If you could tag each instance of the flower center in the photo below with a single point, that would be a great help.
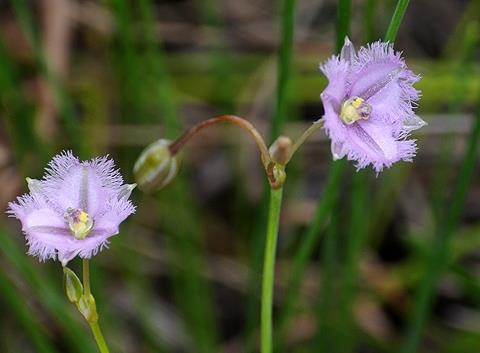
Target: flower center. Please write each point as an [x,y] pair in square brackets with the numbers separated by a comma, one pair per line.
[354,109]
[79,222]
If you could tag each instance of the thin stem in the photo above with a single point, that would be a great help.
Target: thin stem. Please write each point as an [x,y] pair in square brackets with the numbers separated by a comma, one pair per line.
[86,277]
[269,269]
[94,326]
[309,241]
[178,144]
[307,133]
[269,166]
[97,334]
[396,20]
[281,104]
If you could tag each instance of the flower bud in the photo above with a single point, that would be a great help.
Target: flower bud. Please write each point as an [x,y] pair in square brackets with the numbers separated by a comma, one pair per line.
[280,150]
[87,307]
[279,175]
[73,286]
[155,167]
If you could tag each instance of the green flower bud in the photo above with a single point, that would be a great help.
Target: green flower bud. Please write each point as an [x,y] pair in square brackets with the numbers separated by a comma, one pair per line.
[155,167]
[73,286]
[87,307]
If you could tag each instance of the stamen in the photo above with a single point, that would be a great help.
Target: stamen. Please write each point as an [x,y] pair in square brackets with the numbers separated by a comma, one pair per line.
[354,109]
[79,222]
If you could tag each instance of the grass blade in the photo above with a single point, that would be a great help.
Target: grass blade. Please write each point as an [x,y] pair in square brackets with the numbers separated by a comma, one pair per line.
[396,20]
[284,67]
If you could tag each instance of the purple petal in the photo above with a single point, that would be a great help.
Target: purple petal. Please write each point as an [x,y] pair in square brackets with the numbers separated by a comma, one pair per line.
[380,76]
[109,176]
[372,79]
[85,248]
[378,66]
[44,217]
[94,186]
[87,186]
[118,211]
[332,124]
[336,71]
[79,189]
[375,144]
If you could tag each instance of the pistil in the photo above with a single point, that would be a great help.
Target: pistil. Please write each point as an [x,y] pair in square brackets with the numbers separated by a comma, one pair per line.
[79,222]
[354,109]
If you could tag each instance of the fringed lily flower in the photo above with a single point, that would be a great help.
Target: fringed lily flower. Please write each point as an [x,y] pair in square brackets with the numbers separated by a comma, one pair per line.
[369,105]
[74,209]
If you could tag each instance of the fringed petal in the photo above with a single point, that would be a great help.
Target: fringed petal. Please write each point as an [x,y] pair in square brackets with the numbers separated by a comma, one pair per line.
[370,143]
[379,76]
[336,70]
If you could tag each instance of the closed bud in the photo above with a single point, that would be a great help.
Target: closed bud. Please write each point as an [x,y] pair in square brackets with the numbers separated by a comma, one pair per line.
[87,307]
[155,167]
[280,150]
[73,286]
[279,175]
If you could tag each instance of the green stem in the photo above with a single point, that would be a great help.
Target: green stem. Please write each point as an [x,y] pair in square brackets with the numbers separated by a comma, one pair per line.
[308,244]
[86,277]
[396,20]
[94,326]
[269,269]
[439,256]
[301,140]
[97,333]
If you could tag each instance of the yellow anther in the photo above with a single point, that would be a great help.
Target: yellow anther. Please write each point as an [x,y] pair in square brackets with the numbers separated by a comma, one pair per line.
[83,217]
[79,222]
[354,109]
[357,102]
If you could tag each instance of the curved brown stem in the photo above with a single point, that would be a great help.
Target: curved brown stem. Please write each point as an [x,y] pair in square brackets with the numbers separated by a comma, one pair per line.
[178,144]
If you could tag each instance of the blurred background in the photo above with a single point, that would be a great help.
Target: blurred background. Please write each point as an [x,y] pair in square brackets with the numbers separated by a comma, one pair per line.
[390,263]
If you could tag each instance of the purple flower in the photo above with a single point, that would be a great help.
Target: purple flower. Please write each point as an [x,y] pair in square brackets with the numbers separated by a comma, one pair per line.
[74,209]
[369,105]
